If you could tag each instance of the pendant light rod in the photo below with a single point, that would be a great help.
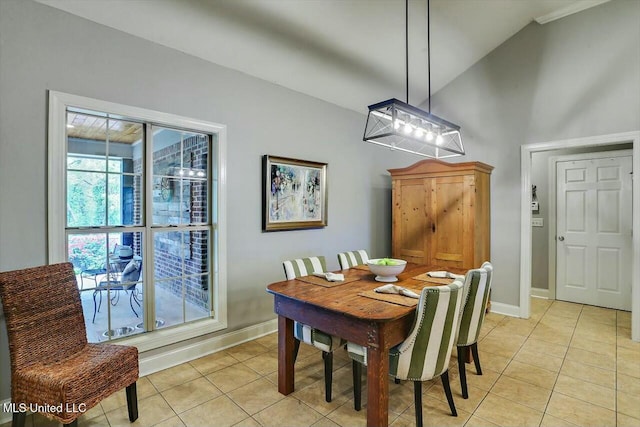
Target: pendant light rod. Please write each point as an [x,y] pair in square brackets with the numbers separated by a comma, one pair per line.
[406,44]
[428,53]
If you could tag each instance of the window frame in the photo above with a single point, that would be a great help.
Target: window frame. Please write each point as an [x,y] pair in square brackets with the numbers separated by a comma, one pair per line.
[56,203]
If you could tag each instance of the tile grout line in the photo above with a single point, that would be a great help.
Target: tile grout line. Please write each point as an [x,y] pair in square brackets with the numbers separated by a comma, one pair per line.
[564,358]
[512,359]
[497,379]
[264,376]
[582,379]
[488,391]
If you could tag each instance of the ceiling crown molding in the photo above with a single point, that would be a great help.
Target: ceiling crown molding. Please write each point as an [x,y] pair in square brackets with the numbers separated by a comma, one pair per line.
[569,10]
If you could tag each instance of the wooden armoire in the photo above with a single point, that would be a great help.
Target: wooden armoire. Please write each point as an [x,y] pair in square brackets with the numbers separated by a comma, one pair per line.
[441,213]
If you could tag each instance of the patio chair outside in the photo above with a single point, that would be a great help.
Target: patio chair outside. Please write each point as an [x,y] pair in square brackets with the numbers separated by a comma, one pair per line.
[126,283]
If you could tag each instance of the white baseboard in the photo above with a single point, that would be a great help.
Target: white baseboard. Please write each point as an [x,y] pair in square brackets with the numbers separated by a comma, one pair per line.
[540,293]
[505,309]
[167,359]
[184,353]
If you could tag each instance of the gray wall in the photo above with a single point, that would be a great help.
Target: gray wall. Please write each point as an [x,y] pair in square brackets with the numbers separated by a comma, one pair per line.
[575,77]
[540,242]
[578,76]
[43,48]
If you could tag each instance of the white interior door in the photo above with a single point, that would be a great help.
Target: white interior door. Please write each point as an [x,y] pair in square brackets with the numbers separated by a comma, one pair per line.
[593,243]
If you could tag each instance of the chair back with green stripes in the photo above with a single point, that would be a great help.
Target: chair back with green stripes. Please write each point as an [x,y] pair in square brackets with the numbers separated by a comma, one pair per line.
[487,266]
[304,266]
[479,283]
[353,258]
[425,354]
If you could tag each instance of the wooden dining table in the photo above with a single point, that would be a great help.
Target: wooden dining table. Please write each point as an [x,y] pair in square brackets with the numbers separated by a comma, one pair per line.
[350,310]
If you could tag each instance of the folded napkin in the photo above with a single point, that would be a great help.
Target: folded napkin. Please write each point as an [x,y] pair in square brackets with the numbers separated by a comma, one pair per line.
[445,274]
[395,289]
[331,277]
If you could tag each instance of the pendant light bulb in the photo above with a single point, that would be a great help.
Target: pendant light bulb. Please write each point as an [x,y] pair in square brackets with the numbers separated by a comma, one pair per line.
[429,136]
[408,128]
[439,139]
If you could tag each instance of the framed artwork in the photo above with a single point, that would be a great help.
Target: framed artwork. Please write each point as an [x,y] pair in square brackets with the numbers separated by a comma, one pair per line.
[294,194]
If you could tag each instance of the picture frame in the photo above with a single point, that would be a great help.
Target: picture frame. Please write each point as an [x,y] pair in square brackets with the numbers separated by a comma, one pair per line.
[294,194]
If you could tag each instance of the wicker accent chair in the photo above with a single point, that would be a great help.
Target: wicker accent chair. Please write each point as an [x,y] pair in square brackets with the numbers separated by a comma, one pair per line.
[426,352]
[305,333]
[52,365]
[353,258]
[479,283]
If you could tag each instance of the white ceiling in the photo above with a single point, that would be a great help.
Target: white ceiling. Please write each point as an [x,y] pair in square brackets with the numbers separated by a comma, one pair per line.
[347,52]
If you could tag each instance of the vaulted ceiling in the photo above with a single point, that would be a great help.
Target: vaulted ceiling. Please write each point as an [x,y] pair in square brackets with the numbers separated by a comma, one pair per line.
[347,52]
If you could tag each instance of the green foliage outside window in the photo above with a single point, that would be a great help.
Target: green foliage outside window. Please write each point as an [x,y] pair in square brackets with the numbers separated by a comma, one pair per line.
[87,200]
[89,206]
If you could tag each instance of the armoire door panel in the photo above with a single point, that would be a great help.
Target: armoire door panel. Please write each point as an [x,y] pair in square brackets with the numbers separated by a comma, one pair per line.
[469,215]
[413,220]
[447,204]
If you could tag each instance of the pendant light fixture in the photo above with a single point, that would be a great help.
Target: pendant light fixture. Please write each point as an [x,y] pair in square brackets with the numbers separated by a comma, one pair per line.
[401,126]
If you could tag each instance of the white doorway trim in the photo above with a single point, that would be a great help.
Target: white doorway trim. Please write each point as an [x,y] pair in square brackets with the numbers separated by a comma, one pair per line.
[525,219]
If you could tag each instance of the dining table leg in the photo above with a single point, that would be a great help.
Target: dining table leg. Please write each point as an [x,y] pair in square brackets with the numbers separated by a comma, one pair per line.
[377,386]
[285,355]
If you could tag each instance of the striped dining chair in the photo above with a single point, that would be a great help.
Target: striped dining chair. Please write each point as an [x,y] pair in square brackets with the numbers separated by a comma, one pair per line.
[304,333]
[479,284]
[353,258]
[426,352]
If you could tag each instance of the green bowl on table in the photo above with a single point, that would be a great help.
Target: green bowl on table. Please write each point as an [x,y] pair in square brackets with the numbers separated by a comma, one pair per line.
[386,269]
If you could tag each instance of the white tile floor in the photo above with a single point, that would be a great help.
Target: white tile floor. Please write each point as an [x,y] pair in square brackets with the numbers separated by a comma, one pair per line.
[568,365]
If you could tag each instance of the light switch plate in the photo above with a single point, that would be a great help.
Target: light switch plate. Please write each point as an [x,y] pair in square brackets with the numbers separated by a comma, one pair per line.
[537,222]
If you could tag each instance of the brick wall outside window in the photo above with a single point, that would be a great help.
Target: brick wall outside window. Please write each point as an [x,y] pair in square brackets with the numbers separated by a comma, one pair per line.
[191,208]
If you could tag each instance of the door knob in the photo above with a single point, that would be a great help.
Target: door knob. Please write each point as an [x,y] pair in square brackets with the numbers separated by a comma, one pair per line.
[561,238]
